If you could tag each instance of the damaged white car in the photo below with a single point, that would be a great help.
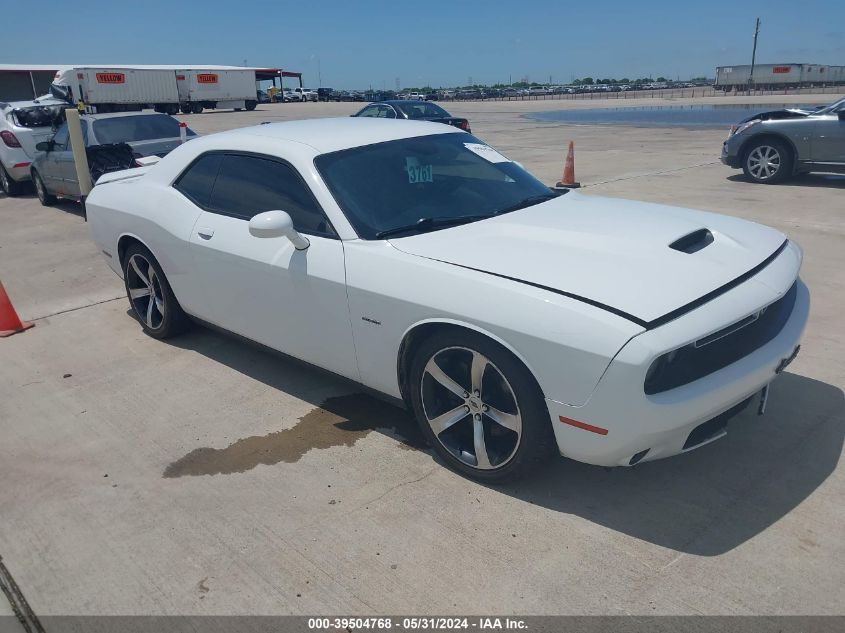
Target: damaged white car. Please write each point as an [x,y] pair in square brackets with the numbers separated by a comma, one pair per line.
[514,320]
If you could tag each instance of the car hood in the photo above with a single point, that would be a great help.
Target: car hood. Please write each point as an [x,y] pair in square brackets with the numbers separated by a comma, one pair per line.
[774,115]
[608,252]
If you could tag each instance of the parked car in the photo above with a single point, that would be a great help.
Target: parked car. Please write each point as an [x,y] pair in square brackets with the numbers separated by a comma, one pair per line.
[23,124]
[772,146]
[512,319]
[304,94]
[416,110]
[145,133]
[262,96]
[326,94]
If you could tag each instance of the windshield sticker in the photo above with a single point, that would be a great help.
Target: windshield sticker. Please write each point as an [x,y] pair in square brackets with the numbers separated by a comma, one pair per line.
[486,152]
[418,173]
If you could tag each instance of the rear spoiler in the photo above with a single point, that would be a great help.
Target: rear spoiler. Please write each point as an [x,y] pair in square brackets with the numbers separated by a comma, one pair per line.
[124,174]
[147,161]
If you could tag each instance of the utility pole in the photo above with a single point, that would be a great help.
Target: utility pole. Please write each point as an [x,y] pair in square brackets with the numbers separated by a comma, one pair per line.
[753,56]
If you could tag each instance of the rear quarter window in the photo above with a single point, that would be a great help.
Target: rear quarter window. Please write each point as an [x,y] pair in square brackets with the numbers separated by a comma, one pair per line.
[198,180]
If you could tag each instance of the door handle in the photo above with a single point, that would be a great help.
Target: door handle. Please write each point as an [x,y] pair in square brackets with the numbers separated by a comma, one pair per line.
[205,233]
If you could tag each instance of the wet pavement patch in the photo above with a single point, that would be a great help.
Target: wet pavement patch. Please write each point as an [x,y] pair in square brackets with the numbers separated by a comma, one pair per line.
[339,421]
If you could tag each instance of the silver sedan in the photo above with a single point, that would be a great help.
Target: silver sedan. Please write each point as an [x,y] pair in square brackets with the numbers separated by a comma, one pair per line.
[772,146]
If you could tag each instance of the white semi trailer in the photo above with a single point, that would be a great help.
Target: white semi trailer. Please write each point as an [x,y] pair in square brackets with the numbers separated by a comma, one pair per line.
[212,89]
[117,89]
[167,89]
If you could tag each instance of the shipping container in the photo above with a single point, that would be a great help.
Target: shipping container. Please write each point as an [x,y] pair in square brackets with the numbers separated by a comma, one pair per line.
[212,88]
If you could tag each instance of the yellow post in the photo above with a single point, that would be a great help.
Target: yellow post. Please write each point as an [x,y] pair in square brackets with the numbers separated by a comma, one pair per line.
[77,145]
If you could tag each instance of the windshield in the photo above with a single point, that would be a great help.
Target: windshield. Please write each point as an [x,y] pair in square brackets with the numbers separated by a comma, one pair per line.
[60,92]
[144,127]
[423,110]
[37,116]
[395,184]
[833,107]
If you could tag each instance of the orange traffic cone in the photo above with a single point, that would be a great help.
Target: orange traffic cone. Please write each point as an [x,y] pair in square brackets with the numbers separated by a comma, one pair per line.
[10,323]
[568,180]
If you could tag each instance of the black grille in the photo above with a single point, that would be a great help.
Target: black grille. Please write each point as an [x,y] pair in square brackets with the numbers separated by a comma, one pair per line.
[710,429]
[712,353]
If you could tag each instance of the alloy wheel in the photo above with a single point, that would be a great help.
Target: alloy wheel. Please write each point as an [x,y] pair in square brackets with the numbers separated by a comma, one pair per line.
[764,162]
[471,408]
[145,292]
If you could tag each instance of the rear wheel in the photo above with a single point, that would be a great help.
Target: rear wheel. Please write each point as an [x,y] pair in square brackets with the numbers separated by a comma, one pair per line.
[153,303]
[479,407]
[196,108]
[9,185]
[44,196]
[767,161]
[250,105]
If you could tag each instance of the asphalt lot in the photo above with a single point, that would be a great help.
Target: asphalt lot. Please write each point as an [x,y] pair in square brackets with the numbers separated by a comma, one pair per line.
[206,476]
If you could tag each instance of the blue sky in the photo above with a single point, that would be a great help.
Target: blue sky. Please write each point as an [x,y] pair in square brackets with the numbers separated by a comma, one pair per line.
[361,43]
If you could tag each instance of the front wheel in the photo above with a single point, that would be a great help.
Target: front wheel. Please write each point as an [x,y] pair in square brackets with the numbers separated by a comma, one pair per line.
[152,300]
[479,407]
[767,161]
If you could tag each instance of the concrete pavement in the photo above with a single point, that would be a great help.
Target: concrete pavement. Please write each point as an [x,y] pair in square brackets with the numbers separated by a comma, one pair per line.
[206,476]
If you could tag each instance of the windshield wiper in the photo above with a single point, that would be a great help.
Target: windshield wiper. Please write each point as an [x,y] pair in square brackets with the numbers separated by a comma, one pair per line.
[424,224]
[530,201]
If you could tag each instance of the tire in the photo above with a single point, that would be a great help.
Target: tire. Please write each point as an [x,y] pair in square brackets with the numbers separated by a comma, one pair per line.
[151,299]
[250,105]
[196,108]
[185,108]
[506,404]
[44,196]
[767,161]
[9,185]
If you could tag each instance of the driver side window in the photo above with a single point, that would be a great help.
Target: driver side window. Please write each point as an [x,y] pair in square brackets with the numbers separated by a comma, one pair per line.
[60,138]
[370,111]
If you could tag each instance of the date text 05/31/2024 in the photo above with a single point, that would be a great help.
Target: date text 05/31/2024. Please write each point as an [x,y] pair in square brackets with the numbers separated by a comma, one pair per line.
[417,623]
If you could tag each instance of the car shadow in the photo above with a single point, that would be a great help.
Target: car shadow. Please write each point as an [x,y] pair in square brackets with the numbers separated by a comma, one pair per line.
[68,206]
[706,502]
[834,181]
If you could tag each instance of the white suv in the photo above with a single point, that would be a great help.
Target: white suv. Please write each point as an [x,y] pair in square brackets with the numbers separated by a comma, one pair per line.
[305,94]
[23,124]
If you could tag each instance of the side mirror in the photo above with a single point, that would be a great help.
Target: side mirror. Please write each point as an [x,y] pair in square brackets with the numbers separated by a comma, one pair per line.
[277,224]
[44,146]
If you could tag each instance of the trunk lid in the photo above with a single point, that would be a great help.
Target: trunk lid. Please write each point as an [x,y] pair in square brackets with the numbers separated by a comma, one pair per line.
[611,252]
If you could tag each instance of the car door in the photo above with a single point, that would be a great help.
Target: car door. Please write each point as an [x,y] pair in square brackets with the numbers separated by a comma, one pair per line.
[51,167]
[263,288]
[66,166]
[828,143]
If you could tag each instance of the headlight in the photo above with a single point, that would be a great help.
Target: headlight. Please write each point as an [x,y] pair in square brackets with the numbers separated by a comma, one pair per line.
[746,125]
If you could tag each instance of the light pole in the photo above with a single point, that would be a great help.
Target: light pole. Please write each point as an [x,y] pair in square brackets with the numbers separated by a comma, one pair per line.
[753,56]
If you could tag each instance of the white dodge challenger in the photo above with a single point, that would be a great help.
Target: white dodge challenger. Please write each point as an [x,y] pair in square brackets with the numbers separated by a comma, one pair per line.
[415,259]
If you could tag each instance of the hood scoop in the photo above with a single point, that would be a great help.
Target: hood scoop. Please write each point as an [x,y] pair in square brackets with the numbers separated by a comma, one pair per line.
[693,242]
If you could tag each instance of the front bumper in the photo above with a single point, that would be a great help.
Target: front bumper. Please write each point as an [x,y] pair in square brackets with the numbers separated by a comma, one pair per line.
[730,153]
[625,421]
